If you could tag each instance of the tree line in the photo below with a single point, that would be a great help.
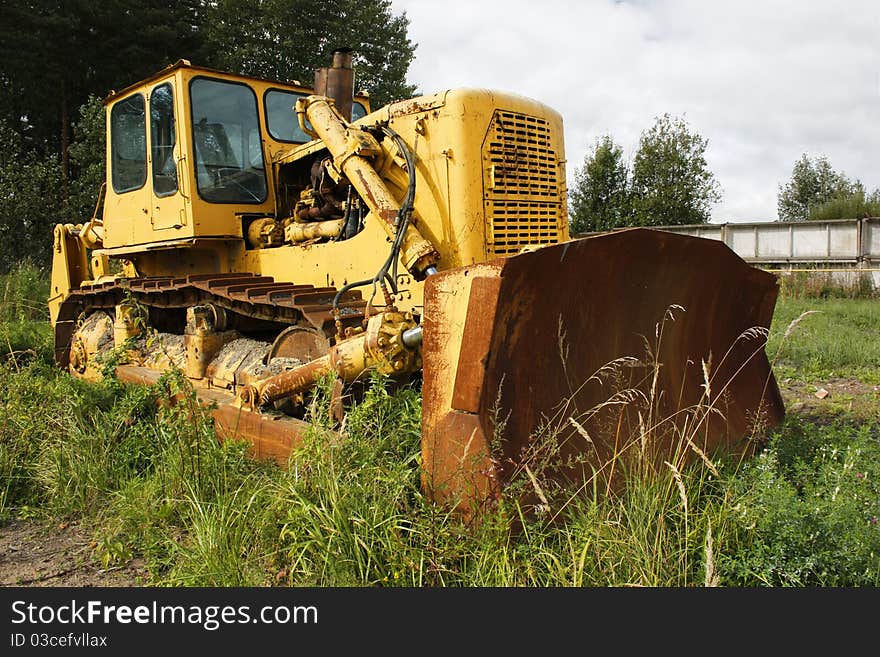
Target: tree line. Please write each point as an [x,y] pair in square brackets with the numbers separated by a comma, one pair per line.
[816,191]
[58,59]
[669,183]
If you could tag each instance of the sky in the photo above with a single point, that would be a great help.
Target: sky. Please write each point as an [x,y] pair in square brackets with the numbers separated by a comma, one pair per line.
[762,81]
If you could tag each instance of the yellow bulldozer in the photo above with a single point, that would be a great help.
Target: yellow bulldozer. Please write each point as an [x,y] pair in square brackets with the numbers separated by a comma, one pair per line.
[262,237]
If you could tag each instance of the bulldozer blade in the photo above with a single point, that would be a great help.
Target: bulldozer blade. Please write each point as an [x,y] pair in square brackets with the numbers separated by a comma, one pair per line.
[551,366]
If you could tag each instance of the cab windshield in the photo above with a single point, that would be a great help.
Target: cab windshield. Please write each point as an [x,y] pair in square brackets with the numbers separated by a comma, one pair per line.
[228,149]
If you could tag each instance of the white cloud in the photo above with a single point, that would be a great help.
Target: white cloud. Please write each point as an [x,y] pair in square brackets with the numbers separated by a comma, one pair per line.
[763,81]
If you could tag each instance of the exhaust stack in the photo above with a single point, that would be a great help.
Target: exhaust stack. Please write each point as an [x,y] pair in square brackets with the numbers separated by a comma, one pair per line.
[337,82]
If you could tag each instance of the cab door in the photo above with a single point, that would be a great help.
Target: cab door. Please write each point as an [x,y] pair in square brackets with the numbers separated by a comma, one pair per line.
[167,206]
[128,196]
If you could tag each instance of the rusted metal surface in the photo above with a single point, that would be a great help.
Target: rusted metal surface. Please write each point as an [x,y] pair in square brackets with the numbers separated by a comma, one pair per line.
[575,361]
[270,436]
[411,106]
[337,81]
[456,332]
[300,343]
[247,295]
[468,389]
[293,381]
[457,464]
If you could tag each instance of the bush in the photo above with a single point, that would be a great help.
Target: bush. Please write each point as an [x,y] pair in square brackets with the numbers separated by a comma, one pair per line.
[852,206]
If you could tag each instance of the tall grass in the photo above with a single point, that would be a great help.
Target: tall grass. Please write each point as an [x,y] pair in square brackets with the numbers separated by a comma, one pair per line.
[825,284]
[841,337]
[348,512]
[152,481]
[24,314]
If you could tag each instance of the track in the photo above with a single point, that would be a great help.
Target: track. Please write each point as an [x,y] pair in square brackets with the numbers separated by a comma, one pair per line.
[244,294]
[257,302]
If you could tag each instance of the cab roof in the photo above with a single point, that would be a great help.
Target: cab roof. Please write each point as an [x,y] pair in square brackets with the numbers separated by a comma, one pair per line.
[185,64]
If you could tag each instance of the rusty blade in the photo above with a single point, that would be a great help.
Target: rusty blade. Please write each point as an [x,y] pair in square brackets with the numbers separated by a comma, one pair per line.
[639,338]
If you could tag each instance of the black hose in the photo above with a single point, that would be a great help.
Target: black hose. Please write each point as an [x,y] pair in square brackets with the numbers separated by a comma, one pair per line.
[344,232]
[401,222]
[406,208]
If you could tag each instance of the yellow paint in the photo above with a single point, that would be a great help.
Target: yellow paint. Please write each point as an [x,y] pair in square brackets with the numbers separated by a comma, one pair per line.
[451,135]
[69,266]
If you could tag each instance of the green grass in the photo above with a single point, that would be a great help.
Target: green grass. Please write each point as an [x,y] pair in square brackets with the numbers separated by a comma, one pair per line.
[151,482]
[806,512]
[840,337]
[24,316]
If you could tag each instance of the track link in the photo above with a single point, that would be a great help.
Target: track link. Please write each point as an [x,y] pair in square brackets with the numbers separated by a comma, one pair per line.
[246,294]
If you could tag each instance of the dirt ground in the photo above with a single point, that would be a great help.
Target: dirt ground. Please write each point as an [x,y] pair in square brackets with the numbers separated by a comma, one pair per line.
[36,553]
[831,398]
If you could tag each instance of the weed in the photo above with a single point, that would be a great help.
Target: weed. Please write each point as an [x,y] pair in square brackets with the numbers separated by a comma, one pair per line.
[153,481]
[806,510]
[824,284]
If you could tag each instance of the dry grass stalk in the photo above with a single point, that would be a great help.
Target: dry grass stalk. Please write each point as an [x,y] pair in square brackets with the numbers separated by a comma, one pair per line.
[707,380]
[682,493]
[797,320]
[703,456]
[581,430]
[538,491]
[711,576]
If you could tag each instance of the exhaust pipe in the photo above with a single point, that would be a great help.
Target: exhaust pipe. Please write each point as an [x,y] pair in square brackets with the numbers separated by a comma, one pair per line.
[337,82]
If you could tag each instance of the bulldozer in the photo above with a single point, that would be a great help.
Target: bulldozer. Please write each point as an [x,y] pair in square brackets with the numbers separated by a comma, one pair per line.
[264,237]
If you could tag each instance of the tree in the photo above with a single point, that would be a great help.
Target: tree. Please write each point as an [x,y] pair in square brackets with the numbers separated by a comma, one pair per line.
[53,55]
[289,39]
[857,205]
[30,199]
[671,182]
[816,191]
[87,161]
[599,199]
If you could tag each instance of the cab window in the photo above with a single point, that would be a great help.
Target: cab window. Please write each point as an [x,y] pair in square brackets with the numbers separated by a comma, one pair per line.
[228,148]
[128,144]
[162,140]
[281,119]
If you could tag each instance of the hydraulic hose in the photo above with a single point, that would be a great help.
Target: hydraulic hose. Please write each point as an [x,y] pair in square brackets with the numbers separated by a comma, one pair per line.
[401,223]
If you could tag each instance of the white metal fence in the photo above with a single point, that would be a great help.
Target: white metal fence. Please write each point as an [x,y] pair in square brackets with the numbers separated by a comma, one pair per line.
[845,247]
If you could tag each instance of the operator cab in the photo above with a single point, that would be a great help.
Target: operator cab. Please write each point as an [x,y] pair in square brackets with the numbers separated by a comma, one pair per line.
[189,154]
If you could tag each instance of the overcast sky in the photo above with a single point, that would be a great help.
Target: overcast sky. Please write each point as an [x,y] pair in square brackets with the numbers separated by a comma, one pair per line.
[763,81]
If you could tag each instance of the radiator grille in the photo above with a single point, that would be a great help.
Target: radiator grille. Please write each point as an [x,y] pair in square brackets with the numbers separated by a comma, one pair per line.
[521,184]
